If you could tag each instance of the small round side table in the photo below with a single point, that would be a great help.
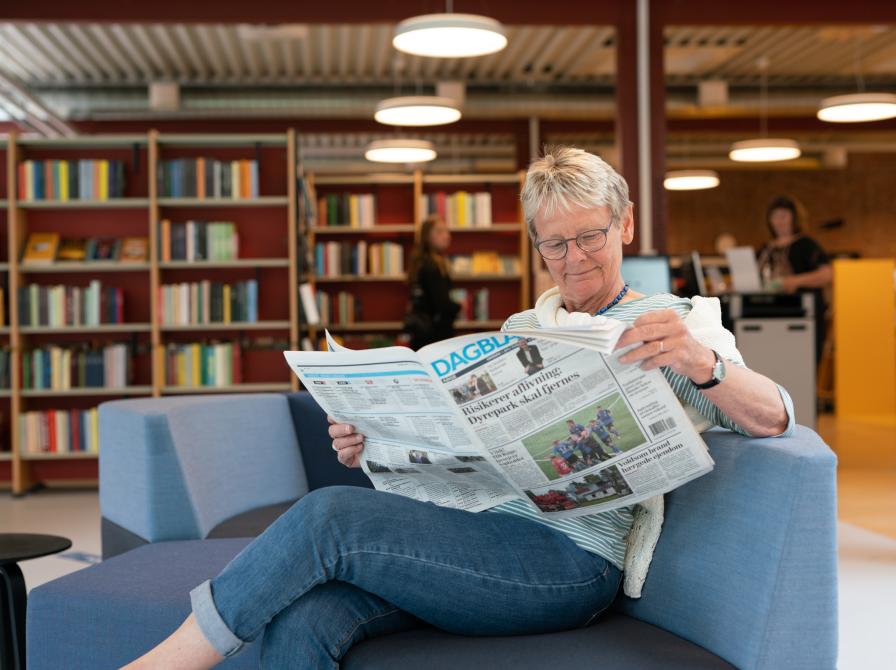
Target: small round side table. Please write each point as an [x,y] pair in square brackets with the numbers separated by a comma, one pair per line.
[15,547]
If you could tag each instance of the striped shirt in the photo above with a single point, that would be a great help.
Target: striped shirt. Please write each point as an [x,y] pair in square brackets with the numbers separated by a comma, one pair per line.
[605,533]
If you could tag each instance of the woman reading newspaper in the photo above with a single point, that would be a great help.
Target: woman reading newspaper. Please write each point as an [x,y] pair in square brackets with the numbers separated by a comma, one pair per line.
[345,564]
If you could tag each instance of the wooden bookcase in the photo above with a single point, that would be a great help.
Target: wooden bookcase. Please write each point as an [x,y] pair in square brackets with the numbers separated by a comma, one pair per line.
[398,216]
[268,253]
[267,230]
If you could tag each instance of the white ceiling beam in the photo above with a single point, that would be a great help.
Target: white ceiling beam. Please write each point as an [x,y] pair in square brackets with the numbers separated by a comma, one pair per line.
[227,38]
[288,51]
[130,48]
[362,53]
[344,38]
[159,62]
[87,45]
[41,40]
[324,46]
[75,52]
[183,34]
[207,35]
[113,52]
[306,68]
[167,44]
[382,52]
[580,39]
[23,46]
[250,57]
[12,60]
[272,67]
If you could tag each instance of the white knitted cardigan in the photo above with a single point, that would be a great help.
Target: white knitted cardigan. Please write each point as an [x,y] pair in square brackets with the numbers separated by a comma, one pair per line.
[704,322]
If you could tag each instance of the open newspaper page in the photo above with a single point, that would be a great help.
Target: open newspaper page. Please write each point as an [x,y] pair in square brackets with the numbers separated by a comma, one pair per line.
[416,442]
[574,430]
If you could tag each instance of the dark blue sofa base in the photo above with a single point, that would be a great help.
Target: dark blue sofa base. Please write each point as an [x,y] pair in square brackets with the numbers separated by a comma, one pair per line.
[106,615]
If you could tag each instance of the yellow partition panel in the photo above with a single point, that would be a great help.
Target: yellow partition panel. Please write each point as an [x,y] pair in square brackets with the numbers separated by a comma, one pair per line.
[865,338]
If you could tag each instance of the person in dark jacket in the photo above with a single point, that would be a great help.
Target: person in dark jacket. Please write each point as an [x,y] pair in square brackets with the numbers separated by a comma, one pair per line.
[432,312]
[792,261]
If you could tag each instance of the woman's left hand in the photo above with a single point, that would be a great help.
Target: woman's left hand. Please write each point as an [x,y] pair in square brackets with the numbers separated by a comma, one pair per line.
[667,342]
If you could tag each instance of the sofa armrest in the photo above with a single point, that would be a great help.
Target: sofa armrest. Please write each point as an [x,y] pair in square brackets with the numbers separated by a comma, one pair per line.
[746,565]
[174,468]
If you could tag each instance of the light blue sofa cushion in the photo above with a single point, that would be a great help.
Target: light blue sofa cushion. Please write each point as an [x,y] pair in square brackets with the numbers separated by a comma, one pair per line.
[174,468]
[236,453]
[746,563]
[142,488]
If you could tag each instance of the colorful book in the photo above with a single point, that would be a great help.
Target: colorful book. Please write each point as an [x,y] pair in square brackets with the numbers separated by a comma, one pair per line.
[133,250]
[41,248]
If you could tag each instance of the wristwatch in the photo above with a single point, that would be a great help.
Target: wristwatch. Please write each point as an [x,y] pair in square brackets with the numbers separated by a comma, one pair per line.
[718,373]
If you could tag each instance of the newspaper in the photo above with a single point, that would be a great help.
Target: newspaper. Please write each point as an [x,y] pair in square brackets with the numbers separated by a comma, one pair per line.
[549,415]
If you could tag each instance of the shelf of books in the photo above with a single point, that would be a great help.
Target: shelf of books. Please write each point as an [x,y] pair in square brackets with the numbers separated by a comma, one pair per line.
[489,244]
[78,284]
[224,283]
[362,234]
[138,265]
[358,240]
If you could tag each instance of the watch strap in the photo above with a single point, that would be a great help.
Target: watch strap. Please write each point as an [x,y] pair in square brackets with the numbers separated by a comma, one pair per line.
[714,380]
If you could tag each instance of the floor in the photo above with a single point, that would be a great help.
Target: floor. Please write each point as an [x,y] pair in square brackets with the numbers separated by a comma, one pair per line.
[867,537]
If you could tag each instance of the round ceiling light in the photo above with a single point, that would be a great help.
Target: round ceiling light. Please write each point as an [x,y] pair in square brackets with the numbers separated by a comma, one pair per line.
[449,35]
[764,150]
[400,151]
[418,110]
[690,180]
[858,107]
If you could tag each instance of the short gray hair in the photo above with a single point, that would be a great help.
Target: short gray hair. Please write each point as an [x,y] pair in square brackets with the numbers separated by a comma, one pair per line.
[567,176]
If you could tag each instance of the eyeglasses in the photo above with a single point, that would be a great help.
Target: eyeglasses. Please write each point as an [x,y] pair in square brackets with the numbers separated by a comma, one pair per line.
[588,241]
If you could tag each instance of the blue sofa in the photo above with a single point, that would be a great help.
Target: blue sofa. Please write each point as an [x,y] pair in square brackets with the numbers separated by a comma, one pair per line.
[744,574]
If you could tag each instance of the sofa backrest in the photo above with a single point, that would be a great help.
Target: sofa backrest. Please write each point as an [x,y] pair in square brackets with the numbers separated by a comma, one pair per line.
[222,454]
[321,466]
[746,565]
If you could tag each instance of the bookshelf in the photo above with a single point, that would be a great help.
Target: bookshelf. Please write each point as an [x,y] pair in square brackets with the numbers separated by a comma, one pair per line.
[495,231]
[266,222]
[398,214]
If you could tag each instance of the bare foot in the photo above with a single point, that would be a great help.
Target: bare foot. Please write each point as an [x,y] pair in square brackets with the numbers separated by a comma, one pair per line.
[185,649]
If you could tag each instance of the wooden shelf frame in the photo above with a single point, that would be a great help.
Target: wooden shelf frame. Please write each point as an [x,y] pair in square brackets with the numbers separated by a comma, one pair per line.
[153,144]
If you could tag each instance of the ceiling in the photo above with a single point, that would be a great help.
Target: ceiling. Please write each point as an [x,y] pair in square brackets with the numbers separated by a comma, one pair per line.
[58,73]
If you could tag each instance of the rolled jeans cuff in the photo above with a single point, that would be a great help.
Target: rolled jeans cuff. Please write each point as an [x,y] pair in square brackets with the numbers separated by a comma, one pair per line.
[210,622]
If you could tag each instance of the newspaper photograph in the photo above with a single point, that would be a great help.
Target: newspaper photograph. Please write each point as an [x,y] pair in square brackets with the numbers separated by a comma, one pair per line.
[549,416]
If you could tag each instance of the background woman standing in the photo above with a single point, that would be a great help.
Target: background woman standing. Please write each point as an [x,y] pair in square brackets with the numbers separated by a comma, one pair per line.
[791,261]
[432,312]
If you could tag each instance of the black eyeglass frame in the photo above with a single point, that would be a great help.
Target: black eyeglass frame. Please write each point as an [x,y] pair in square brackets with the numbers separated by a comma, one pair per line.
[576,239]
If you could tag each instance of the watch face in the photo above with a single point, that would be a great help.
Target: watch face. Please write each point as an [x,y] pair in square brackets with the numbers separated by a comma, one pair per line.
[718,370]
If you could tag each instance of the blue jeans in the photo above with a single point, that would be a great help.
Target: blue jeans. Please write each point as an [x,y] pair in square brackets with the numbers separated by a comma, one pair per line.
[347,563]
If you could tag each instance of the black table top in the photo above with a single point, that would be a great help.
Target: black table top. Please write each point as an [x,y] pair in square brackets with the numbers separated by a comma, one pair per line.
[22,546]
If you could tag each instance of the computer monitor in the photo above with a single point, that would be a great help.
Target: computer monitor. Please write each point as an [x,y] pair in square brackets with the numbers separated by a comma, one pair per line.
[692,275]
[647,274]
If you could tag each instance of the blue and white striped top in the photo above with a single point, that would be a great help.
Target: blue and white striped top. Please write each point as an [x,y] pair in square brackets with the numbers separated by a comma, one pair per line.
[605,533]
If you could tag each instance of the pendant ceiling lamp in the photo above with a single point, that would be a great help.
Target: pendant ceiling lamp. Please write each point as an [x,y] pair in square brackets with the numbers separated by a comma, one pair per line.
[861,106]
[400,151]
[417,110]
[764,149]
[449,35]
[858,107]
[690,180]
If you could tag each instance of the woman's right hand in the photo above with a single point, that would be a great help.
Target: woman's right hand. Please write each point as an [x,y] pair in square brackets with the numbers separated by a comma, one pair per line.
[347,443]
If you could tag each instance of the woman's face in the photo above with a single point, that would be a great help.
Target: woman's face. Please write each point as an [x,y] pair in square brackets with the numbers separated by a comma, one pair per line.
[439,237]
[781,220]
[585,278]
